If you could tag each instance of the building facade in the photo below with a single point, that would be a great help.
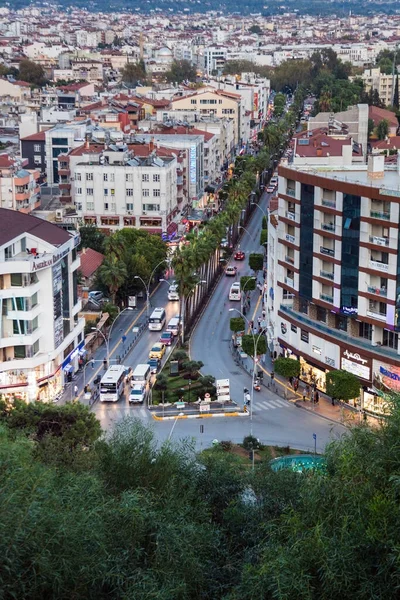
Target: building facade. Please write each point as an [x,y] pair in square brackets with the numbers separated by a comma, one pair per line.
[41,336]
[336,302]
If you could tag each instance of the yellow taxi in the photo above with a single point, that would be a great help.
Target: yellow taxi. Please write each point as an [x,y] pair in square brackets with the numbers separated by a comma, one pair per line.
[157,351]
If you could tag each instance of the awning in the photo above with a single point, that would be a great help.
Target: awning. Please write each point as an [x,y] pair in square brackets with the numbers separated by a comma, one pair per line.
[152,230]
[68,368]
[172,227]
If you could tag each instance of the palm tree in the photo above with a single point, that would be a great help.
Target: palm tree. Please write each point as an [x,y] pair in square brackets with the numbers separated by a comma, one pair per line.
[113,274]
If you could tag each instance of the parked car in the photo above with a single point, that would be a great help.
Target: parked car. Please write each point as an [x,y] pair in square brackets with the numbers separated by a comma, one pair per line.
[270,189]
[239,255]
[96,296]
[166,338]
[230,271]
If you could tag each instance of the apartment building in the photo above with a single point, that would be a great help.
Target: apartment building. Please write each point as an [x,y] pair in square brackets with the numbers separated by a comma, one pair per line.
[336,298]
[113,188]
[384,84]
[19,188]
[41,336]
[214,58]
[60,140]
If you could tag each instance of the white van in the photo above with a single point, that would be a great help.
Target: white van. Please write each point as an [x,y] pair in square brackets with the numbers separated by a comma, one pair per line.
[173,326]
[173,294]
[141,374]
[138,393]
[235,292]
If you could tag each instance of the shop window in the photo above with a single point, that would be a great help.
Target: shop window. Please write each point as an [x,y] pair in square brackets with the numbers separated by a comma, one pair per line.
[293,328]
[303,306]
[365,331]
[304,336]
[321,314]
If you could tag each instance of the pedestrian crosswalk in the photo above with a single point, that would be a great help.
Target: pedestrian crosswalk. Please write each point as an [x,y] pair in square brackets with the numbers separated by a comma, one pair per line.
[112,413]
[271,404]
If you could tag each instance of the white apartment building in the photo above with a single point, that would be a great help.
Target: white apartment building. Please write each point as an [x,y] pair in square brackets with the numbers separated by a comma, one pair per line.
[19,189]
[384,84]
[214,59]
[113,188]
[41,336]
[60,140]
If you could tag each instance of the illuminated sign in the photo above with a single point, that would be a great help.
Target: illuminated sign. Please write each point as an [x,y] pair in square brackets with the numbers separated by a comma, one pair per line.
[192,164]
[356,364]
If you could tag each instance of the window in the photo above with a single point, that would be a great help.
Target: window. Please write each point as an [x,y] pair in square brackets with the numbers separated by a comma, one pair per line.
[151,207]
[390,339]
[105,176]
[105,191]
[89,176]
[321,314]
[341,323]
[156,193]
[19,352]
[112,192]
[105,205]
[303,306]
[193,101]
[111,177]
[23,244]
[129,191]
[365,331]
[78,191]
[293,328]
[145,177]
[37,148]
[37,159]
[78,176]
[9,252]
[129,206]
[129,177]
[304,336]
[60,141]
[156,177]
[113,207]
[89,205]
[89,191]
[34,300]
[145,193]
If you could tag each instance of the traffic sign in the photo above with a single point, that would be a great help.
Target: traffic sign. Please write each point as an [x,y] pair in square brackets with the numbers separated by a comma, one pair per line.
[180,404]
[204,407]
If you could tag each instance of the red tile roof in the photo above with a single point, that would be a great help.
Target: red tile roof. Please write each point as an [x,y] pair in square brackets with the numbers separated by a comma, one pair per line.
[5,161]
[90,261]
[14,223]
[378,114]
[35,137]
[392,143]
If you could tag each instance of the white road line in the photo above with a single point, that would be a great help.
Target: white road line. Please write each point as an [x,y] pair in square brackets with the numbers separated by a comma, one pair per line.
[282,402]
[277,403]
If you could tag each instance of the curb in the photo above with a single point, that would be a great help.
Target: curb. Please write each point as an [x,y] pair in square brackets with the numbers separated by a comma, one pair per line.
[298,404]
[231,414]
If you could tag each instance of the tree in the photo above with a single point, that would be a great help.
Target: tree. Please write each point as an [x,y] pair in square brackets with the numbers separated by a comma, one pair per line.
[396,94]
[112,273]
[193,366]
[287,367]
[342,385]
[279,104]
[181,70]
[263,237]
[236,324]
[247,283]
[256,262]
[371,127]
[134,73]
[256,29]
[382,129]
[91,237]
[248,342]
[31,72]
[161,382]
[112,311]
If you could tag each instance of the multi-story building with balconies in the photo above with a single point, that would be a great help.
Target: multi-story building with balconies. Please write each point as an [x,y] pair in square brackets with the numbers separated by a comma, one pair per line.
[336,300]
[19,188]
[41,335]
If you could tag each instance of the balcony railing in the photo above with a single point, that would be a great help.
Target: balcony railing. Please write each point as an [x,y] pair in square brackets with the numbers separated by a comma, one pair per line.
[379,241]
[326,298]
[327,274]
[290,238]
[328,203]
[328,251]
[328,226]
[289,259]
[376,214]
[376,315]
[376,290]
[379,266]
[291,215]
[289,281]
[336,333]
[290,192]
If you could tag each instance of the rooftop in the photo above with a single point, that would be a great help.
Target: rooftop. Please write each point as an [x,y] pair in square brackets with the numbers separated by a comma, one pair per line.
[14,224]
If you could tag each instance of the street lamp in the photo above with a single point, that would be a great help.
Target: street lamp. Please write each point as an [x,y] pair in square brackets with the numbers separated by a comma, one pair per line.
[255,342]
[246,230]
[242,291]
[147,286]
[107,338]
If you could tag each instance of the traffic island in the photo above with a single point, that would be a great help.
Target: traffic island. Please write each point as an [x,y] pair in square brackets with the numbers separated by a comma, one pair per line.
[182,410]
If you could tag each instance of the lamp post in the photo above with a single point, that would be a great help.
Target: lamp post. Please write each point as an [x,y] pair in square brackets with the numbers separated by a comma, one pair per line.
[175,422]
[255,342]
[147,286]
[107,338]
[244,229]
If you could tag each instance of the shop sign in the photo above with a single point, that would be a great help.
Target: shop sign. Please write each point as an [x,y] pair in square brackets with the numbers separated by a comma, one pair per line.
[283,328]
[349,310]
[192,164]
[390,377]
[356,364]
[73,354]
[316,350]
[330,361]
[37,265]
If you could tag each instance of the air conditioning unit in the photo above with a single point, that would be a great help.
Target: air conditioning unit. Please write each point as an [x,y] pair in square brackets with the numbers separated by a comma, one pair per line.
[129,212]
[59,214]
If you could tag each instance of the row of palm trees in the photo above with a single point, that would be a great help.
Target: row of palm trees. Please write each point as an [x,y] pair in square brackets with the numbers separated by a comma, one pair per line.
[198,263]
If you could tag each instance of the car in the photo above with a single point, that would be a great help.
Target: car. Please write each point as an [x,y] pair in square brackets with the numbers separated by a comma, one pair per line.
[166,338]
[274,181]
[239,255]
[157,351]
[137,394]
[96,296]
[270,189]
[154,364]
[230,271]
[224,243]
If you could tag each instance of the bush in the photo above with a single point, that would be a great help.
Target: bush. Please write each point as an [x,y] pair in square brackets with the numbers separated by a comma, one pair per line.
[250,443]
[226,445]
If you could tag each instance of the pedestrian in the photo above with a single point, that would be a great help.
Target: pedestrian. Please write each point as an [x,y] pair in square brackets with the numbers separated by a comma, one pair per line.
[316,397]
[291,381]
[75,390]
[255,331]
[308,391]
[259,319]
[251,324]
[260,288]
[264,274]
[296,384]
[333,401]
[263,314]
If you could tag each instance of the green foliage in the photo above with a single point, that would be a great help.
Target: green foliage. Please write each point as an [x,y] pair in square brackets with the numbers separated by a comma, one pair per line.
[179,355]
[237,324]
[342,385]
[263,237]
[256,29]
[192,366]
[250,442]
[161,382]
[31,72]
[112,273]
[181,70]
[382,129]
[279,104]
[89,326]
[256,262]
[91,237]
[264,223]
[254,342]
[287,367]
[371,127]
[247,283]
[112,311]
[134,73]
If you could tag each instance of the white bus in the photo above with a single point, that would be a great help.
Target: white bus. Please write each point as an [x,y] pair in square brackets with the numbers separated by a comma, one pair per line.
[112,384]
[157,319]
[235,292]
[173,326]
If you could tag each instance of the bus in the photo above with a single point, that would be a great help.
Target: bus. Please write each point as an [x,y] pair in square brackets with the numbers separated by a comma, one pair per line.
[157,319]
[112,384]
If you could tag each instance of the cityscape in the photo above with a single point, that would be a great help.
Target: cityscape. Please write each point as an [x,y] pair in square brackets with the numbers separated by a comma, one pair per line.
[200,301]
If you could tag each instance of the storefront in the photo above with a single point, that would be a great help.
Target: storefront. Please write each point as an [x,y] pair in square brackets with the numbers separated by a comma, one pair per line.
[312,374]
[71,362]
[374,401]
[360,366]
[386,381]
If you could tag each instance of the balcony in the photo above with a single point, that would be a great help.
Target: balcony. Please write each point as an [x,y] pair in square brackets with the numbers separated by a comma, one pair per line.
[374,314]
[379,241]
[376,290]
[289,259]
[327,251]
[20,196]
[376,214]
[339,335]
[328,203]
[327,274]
[328,226]
[379,266]
[291,215]
[289,281]
[326,298]
[290,238]
[291,192]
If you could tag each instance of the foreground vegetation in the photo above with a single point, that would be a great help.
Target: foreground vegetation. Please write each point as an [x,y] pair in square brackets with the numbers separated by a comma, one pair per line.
[126,518]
